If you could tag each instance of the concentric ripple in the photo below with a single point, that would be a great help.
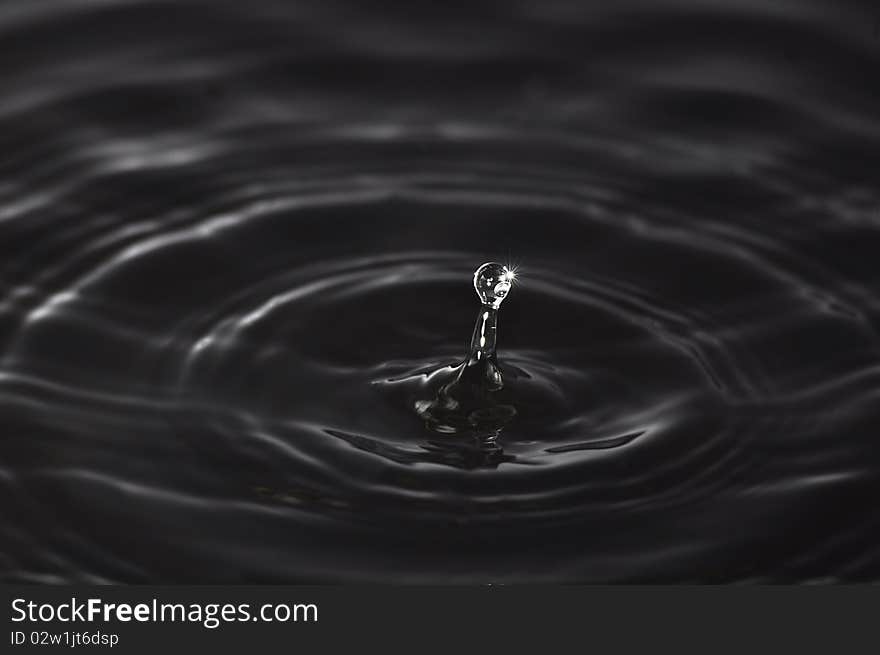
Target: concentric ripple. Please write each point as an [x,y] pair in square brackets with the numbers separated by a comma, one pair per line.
[236,255]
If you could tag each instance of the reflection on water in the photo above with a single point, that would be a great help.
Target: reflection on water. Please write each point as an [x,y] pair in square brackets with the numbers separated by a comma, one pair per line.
[235,251]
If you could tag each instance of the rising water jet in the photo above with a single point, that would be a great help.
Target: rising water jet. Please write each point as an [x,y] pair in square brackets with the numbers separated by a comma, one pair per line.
[469,403]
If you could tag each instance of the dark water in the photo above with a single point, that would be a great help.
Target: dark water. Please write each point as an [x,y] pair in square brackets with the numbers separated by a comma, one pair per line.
[236,248]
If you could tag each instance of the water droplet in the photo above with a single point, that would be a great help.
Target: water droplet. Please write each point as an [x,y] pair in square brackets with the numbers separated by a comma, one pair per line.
[492,282]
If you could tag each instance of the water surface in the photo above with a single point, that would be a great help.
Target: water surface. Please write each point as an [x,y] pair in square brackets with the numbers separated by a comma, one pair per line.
[236,248]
